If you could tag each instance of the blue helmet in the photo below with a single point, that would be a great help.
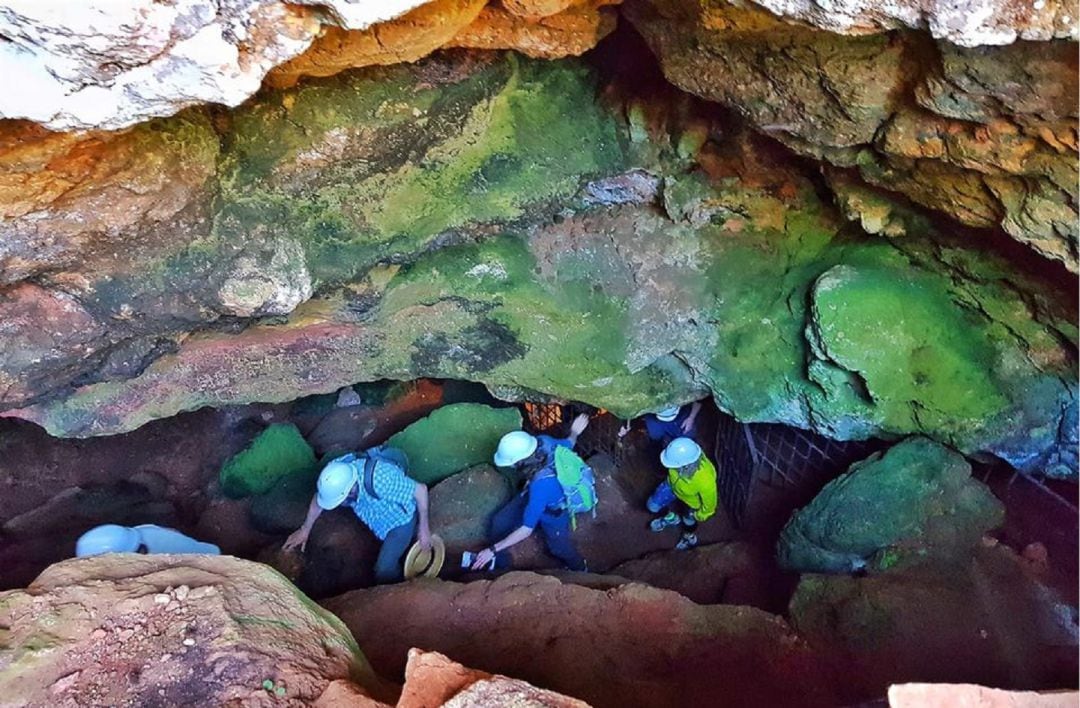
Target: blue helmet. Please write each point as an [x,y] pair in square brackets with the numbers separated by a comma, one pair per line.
[680,452]
[108,538]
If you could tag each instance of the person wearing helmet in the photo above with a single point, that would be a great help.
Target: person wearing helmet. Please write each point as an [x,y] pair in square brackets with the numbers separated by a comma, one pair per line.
[688,494]
[145,538]
[538,505]
[387,501]
[668,423]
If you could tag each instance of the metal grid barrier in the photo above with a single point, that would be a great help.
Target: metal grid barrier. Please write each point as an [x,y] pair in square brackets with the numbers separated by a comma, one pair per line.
[777,456]
[543,417]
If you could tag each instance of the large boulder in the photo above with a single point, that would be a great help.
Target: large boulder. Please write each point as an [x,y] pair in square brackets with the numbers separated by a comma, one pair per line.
[631,645]
[984,620]
[454,438]
[717,573]
[916,497]
[461,508]
[138,630]
[277,453]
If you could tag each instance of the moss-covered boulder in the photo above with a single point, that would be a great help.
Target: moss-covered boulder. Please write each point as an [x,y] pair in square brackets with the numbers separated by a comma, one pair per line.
[278,452]
[454,438]
[916,497]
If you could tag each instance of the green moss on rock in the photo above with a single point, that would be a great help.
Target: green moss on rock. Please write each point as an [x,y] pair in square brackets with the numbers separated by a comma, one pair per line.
[916,495]
[278,452]
[454,438]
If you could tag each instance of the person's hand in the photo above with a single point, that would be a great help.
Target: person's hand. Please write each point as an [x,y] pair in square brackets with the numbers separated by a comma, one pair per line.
[624,430]
[687,425]
[425,540]
[483,558]
[580,423]
[299,537]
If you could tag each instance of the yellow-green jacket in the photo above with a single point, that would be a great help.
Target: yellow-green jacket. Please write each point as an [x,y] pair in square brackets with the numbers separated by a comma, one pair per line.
[697,491]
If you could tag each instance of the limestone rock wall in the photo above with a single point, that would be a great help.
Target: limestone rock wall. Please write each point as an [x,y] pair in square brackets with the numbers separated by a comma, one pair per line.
[984,134]
[515,222]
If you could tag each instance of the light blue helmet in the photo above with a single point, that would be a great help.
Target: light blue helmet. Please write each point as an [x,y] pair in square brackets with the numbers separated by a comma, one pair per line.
[108,538]
[515,447]
[335,482]
[668,414]
[679,452]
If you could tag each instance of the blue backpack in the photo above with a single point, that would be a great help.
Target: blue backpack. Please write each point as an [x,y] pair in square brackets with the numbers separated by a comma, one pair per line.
[373,455]
[578,484]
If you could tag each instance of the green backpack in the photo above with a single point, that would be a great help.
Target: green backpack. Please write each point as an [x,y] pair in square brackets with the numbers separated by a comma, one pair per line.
[578,483]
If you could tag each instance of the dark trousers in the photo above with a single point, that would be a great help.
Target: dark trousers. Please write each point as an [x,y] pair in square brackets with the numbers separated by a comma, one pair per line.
[388,566]
[555,530]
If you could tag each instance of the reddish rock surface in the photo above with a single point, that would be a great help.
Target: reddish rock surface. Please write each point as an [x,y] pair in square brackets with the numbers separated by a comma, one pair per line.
[651,647]
[130,630]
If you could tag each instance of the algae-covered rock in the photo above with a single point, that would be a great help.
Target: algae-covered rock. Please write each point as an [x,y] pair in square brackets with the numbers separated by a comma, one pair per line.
[916,494]
[278,452]
[282,509]
[454,438]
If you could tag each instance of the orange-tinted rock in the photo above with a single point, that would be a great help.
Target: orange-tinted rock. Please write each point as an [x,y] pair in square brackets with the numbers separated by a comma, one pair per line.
[407,38]
[432,679]
[631,645]
[571,32]
[160,629]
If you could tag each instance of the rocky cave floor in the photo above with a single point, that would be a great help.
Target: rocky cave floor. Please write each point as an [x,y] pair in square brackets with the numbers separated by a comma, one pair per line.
[168,473]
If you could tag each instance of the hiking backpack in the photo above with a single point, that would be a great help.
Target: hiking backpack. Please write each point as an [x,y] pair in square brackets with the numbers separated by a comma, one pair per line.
[578,484]
[387,454]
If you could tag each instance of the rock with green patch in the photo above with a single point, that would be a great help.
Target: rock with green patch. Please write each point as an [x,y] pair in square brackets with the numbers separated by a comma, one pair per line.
[454,438]
[918,497]
[277,453]
[461,507]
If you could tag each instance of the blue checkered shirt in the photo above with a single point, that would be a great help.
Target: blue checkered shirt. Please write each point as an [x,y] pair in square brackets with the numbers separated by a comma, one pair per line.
[396,503]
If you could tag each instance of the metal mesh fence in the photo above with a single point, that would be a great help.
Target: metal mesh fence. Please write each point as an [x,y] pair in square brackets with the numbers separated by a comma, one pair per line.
[755,455]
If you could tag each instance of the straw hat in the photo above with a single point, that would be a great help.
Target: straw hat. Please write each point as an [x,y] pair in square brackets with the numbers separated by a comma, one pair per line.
[425,563]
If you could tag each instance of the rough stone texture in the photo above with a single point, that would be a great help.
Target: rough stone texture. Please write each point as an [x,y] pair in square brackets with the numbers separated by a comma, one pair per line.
[703,574]
[432,679]
[928,695]
[571,32]
[111,66]
[138,630]
[454,438]
[651,646]
[462,505]
[968,24]
[918,496]
[486,218]
[985,134]
[978,620]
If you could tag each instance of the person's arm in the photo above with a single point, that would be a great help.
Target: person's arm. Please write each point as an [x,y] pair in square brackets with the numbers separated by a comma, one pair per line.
[688,424]
[421,495]
[299,537]
[577,427]
[625,428]
[707,495]
[512,539]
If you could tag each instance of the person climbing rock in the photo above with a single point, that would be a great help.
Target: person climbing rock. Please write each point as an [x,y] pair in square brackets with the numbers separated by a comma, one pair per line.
[145,538]
[668,423]
[688,494]
[376,487]
[540,504]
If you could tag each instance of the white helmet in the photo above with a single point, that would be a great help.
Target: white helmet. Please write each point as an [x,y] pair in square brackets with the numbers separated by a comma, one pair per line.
[668,414]
[515,447]
[108,538]
[335,482]
[679,452]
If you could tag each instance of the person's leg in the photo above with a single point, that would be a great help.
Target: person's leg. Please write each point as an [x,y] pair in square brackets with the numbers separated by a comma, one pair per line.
[388,566]
[560,543]
[660,500]
[502,523]
[689,537]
